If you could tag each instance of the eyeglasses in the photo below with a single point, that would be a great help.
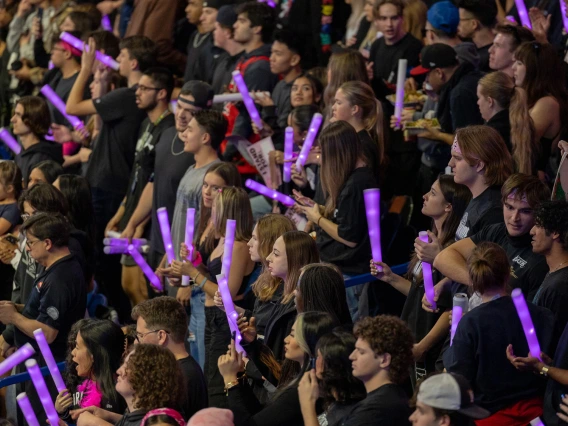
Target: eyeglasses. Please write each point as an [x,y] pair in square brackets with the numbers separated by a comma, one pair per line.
[30,244]
[146,88]
[140,336]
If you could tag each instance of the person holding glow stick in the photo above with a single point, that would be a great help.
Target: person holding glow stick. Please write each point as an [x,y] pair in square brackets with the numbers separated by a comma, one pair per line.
[497,385]
[444,204]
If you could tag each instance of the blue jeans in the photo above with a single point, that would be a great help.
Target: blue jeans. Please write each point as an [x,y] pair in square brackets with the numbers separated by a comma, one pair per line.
[197,326]
[357,301]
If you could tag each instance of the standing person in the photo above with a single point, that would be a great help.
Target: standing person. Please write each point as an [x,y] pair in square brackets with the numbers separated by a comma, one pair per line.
[381,359]
[152,96]
[31,122]
[199,40]
[224,39]
[502,52]
[477,19]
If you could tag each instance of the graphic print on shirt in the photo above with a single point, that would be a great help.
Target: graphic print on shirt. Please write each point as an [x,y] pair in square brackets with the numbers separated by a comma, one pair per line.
[462,230]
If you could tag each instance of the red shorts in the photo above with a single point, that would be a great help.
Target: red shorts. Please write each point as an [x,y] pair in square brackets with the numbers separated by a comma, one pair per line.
[518,414]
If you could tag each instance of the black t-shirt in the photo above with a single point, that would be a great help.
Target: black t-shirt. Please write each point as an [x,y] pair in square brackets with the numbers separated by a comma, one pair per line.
[62,86]
[170,165]
[485,209]
[195,386]
[113,152]
[501,123]
[371,151]
[385,406]
[144,162]
[59,299]
[198,48]
[554,390]
[351,217]
[553,295]
[484,58]
[132,419]
[528,269]
[385,57]
[479,347]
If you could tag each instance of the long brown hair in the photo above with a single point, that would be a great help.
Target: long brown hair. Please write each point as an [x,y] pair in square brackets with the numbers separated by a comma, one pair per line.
[301,250]
[345,66]
[340,151]
[268,229]
[233,203]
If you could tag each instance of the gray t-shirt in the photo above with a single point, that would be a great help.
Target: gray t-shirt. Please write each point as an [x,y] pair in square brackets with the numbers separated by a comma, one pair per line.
[188,196]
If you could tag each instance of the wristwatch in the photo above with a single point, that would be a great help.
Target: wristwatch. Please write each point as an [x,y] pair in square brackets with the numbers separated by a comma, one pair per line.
[544,371]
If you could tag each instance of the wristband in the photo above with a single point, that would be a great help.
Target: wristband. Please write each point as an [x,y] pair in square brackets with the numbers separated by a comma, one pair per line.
[202,283]
[318,222]
[198,260]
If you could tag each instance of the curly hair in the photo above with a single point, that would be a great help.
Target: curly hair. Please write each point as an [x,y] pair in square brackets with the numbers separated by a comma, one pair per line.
[553,217]
[163,312]
[388,334]
[155,377]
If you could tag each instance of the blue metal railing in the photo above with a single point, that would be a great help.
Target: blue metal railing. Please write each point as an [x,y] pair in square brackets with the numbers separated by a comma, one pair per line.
[366,278]
[24,377]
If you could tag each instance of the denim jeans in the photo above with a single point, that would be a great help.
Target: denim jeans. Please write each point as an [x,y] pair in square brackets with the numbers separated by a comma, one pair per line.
[197,326]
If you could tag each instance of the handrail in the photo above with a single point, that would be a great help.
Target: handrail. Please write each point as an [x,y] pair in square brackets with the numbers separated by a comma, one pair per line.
[366,278]
[24,377]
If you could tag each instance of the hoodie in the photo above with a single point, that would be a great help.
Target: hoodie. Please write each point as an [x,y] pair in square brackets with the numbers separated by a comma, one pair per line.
[41,151]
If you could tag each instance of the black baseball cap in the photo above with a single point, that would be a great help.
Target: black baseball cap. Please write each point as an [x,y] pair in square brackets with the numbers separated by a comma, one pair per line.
[437,55]
[202,94]
[227,16]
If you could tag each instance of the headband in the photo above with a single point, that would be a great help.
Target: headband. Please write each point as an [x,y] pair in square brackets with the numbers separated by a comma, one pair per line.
[186,100]
[513,196]
[164,411]
[74,51]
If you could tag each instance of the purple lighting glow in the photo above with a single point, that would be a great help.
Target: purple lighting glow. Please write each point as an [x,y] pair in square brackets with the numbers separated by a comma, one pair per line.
[232,315]
[288,153]
[456,317]
[49,360]
[400,79]
[78,44]
[270,193]
[249,103]
[56,101]
[16,358]
[166,234]
[27,410]
[8,139]
[523,14]
[526,321]
[228,247]
[427,274]
[105,23]
[373,208]
[189,231]
[42,391]
[152,277]
[309,141]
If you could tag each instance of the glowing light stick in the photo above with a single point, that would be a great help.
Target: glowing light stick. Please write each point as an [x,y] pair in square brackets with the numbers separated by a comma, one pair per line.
[78,44]
[373,207]
[115,249]
[166,234]
[49,360]
[105,23]
[229,306]
[228,97]
[288,153]
[400,79]
[228,247]
[563,13]
[58,103]
[526,321]
[523,14]
[247,99]
[137,242]
[152,277]
[189,231]
[9,140]
[270,193]
[310,138]
[42,391]
[427,274]
[537,421]
[268,2]
[456,317]
[27,410]
[16,358]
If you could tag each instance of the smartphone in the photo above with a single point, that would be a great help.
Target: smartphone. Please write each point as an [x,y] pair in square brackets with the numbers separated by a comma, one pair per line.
[312,364]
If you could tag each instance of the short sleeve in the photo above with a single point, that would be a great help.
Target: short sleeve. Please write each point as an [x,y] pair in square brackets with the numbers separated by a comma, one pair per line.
[111,106]
[11,213]
[482,235]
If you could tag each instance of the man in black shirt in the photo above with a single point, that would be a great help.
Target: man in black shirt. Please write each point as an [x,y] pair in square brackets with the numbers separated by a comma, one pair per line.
[162,321]
[381,359]
[477,19]
[223,37]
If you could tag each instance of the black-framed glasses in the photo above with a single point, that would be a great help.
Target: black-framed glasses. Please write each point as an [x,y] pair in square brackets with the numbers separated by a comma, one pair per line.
[30,244]
[140,336]
[146,88]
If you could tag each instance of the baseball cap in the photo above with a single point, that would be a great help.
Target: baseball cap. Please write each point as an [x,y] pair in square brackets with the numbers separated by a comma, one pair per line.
[437,55]
[202,93]
[447,391]
[215,4]
[444,16]
[227,16]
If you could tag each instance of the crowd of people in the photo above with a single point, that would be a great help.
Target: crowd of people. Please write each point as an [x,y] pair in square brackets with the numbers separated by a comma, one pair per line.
[322,333]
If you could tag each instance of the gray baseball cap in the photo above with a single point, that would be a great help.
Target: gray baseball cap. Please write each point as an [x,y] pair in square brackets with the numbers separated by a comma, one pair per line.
[452,392]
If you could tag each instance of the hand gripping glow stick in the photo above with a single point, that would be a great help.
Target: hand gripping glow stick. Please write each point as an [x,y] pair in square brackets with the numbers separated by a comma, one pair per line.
[563,12]
[49,360]
[526,321]
[310,138]
[27,410]
[166,234]
[400,79]
[270,193]
[229,306]
[249,103]
[427,274]
[288,153]
[189,230]
[105,23]
[10,141]
[56,101]
[78,44]
[373,208]
[42,391]
[228,247]
[523,14]
[137,242]
[139,259]
[16,358]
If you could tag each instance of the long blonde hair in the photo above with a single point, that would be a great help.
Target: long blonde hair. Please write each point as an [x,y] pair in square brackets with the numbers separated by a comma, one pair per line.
[501,88]
[233,203]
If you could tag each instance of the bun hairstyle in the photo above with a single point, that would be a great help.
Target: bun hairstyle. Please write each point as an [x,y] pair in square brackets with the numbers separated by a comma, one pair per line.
[489,268]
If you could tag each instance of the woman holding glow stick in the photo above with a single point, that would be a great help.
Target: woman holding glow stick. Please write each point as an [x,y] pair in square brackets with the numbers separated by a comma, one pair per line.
[445,205]
[488,330]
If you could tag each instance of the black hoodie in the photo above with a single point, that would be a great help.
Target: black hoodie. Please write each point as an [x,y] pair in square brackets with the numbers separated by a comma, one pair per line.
[29,158]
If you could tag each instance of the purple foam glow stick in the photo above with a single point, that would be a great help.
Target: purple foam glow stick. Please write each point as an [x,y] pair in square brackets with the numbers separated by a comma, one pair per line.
[288,153]
[563,12]
[268,2]
[116,249]
[9,140]
[189,230]
[105,23]
[317,119]
[27,410]
[270,193]
[16,358]
[228,247]
[166,234]
[427,274]
[56,101]
[49,360]
[78,44]
[537,421]
[150,274]
[249,103]
[456,317]
[373,207]
[50,65]
[42,391]
[137,242]
[523,14]
[230,311]
[526,321]
[400,79]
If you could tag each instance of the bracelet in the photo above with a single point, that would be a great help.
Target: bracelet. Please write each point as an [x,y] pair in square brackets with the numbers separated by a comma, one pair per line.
[318,222]
[195,279]
[202,283]
[230,385]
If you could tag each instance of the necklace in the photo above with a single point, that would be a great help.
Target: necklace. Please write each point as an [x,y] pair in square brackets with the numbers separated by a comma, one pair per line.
[199,41]
[558,267]
[173,142]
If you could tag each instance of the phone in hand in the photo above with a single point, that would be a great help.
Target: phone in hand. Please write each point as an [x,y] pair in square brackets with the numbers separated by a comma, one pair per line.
[312,364]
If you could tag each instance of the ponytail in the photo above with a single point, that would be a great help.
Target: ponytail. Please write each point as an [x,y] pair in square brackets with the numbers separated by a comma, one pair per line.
[525,146]
[374,125]
[488,267]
